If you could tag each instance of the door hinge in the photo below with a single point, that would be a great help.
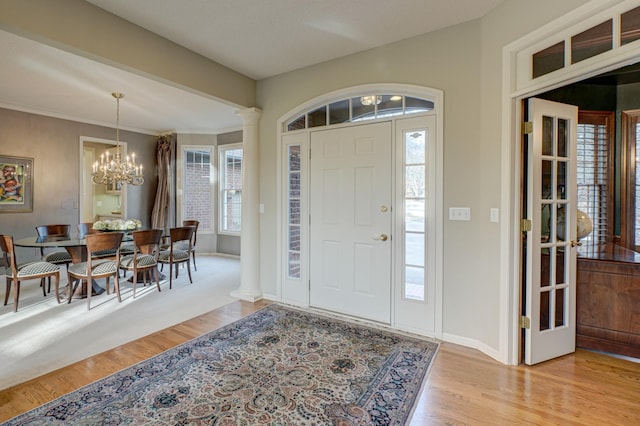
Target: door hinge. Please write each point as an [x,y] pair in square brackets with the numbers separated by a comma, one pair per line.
[525,225]
[527,127]
[525,322]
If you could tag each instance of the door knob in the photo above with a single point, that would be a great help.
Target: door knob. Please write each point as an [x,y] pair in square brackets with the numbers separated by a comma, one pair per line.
[383,237]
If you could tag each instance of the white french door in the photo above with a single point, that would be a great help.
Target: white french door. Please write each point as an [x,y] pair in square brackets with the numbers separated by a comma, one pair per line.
[551,243]
[350,226]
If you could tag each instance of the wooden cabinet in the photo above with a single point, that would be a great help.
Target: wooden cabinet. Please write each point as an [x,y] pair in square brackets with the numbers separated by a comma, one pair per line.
[608,301]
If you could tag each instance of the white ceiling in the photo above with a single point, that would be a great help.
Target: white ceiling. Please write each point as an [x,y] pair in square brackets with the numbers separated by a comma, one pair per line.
[256,38]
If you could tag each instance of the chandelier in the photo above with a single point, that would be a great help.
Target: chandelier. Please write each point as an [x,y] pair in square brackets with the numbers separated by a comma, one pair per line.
[112,169]
[370,100]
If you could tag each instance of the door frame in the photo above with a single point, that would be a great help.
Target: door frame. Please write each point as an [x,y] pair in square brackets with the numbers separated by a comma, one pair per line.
[517,85]
[301,137]
[84,177]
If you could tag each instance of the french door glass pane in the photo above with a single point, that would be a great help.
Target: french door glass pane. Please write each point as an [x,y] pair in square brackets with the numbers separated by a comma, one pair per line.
[545,312]
[560,269]
[561,183]
[547,135]
[560,313]
[547,179]
[563,136]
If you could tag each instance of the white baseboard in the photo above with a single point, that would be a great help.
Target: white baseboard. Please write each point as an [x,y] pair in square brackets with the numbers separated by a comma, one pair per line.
[472,343]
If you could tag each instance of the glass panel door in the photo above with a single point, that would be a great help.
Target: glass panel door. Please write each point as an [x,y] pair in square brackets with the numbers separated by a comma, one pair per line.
[551,253]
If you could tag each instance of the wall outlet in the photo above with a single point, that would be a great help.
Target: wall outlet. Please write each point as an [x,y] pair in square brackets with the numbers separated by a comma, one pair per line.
[98,203]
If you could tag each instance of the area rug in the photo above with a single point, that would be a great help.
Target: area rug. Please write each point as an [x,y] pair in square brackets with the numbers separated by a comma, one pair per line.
[277,366]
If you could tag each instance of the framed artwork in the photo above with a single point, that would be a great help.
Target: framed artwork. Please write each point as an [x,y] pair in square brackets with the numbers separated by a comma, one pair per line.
[16,184]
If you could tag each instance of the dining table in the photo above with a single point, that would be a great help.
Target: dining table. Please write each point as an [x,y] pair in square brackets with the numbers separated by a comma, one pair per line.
[76,246]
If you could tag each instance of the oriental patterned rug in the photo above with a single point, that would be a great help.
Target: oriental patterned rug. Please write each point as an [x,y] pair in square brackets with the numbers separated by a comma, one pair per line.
[277,366]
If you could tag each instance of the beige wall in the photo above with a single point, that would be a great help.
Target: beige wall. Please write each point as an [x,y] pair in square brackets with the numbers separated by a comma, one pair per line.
[465,62]
[82,28]
[54,145]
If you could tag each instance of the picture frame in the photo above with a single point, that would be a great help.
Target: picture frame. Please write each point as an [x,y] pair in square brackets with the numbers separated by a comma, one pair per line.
[16,184]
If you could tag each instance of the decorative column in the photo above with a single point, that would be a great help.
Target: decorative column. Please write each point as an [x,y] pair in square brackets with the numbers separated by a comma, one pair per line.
[249,289]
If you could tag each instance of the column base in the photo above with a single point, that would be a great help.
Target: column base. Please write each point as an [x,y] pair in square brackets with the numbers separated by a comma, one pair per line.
[246,296]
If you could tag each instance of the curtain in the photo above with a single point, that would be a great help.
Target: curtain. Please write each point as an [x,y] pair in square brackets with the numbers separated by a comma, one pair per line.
[162,213]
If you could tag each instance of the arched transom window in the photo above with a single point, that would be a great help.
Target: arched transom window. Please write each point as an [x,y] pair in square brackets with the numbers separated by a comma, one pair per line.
[358,108]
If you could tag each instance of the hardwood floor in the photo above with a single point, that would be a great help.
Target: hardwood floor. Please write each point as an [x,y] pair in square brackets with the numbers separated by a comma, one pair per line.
[464,386]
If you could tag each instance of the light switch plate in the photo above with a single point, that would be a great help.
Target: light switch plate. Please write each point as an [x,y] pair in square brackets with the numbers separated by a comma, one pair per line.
[460,213]
[494,215]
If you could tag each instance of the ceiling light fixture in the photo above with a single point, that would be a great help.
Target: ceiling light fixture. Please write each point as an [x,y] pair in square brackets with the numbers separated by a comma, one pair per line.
[111,169]
[370,100]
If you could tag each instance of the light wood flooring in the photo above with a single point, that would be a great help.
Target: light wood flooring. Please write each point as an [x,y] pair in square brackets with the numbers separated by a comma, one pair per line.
[464,386]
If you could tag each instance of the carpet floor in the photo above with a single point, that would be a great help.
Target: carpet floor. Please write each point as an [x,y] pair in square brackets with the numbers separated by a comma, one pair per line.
[278,366]
[44,335]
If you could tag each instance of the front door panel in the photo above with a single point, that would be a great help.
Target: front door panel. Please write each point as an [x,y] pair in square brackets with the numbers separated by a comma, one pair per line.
[350,226]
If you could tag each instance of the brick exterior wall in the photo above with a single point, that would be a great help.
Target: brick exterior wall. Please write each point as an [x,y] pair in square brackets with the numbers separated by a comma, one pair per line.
[197,189]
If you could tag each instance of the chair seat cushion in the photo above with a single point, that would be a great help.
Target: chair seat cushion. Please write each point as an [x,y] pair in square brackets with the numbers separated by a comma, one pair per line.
[144,260]
[101,267]
[178,255]
[33,268]
[57,257]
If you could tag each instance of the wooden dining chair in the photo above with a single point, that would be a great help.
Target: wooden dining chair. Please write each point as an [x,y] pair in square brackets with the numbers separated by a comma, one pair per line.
[86,228]
[57,257]
[16,273]
[85,272]
[175,256]
[194,240]
[144,260]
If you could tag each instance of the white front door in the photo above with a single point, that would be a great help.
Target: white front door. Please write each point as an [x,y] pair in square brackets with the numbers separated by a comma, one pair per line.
[550,249]
[350,225]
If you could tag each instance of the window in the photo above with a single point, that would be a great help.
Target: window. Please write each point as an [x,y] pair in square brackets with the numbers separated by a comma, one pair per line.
[359,108]
[415,181]
[630,193]
[294,220]
[594,179]
[197,186]
[230,188]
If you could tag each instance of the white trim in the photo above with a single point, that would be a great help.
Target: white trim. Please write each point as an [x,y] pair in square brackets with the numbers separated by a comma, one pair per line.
[471,343]
[514,89]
